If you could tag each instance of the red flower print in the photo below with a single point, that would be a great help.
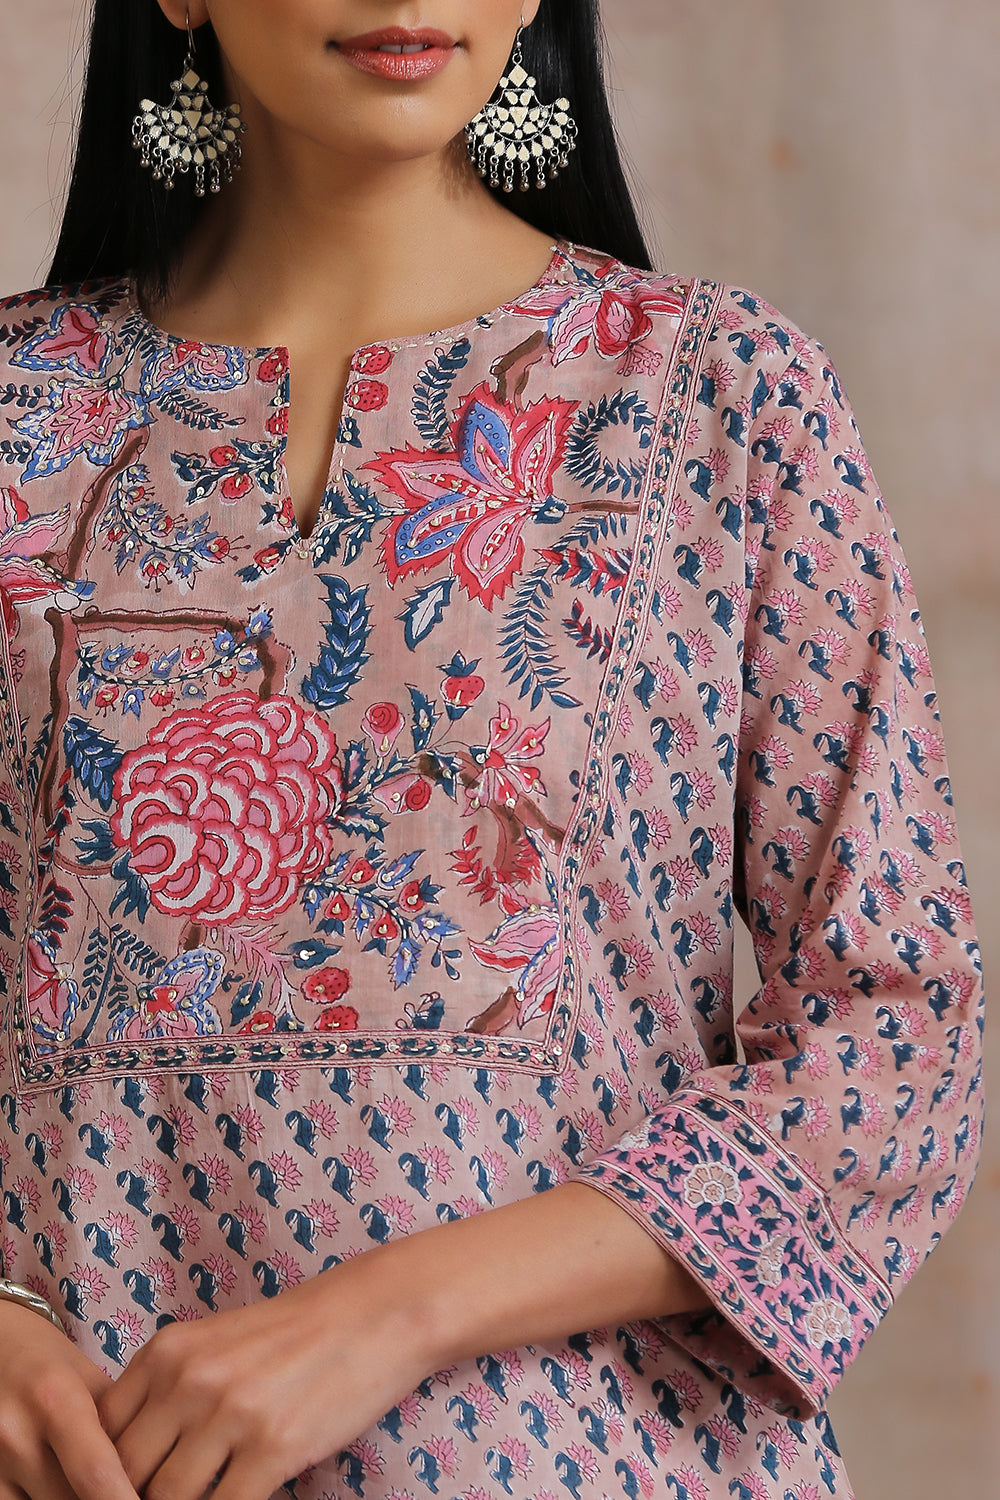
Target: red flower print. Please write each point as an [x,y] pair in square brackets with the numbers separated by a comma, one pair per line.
[405,793]
[326,985]
[235,486]
[367,395]
[410,898]
[506,769]
[360,872]
[461,692]
[338,908]
[386,928]
[615,319]
[374,360]
[468,508]
[261,1021]
[382,723]
[225,809]
[273,367]
[417,795]
[338,1018]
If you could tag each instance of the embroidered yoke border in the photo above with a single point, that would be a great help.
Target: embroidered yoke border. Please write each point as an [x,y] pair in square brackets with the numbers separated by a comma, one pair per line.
[544,1057]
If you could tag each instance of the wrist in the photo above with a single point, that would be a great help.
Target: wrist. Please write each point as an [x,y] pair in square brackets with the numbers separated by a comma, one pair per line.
[384,1297]
[23,1296]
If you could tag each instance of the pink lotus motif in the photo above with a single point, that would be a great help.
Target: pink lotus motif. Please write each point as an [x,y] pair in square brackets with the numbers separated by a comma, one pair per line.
[225,810]
[507,771]
[198,367]
[80,416]
[525,945]
[52,997]
[24,539]
[615,319]
[74,341]
[468,508]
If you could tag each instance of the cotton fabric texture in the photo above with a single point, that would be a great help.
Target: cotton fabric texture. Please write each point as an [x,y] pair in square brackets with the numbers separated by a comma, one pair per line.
[355,883]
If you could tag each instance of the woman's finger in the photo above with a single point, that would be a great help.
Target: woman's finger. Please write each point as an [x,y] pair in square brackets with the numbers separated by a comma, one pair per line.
[190,1469]
[122,1400]
[87,1456]
[146,1444]
[46,1482]
[248,1477]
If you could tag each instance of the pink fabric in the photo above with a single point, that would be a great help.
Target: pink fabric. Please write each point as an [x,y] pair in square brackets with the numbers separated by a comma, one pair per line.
[357,883]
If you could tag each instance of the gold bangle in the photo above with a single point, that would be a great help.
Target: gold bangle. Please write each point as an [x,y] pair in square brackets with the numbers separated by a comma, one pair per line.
[13,1291]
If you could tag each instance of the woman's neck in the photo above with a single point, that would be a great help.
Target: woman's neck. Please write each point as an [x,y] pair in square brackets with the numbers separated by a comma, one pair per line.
[390,248]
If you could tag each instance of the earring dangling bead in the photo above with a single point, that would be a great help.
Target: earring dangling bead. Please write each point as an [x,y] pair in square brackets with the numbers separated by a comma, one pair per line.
[188,134]
[517,132]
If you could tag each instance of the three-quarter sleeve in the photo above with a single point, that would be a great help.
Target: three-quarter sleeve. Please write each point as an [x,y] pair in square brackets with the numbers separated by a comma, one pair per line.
[804,1186]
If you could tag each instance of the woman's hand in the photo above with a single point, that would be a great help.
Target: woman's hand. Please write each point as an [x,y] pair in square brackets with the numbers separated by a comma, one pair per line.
[262,1392]
[52,1444]
[259,1393]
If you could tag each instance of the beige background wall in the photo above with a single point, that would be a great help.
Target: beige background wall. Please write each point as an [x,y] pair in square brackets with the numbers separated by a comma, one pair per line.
[842,158]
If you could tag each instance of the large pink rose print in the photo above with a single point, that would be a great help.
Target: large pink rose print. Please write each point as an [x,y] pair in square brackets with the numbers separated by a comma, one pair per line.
[225,809]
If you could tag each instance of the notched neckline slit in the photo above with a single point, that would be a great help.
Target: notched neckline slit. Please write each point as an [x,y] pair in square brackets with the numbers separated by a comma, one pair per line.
[560,260]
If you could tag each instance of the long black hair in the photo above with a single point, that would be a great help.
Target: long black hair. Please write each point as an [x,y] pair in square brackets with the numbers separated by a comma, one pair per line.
[119,221]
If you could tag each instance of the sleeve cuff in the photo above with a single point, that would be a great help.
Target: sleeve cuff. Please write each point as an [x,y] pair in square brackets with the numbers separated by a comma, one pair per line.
[792,1302]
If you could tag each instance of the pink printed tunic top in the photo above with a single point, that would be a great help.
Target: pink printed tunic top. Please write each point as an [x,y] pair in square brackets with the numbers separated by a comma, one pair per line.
[353,884]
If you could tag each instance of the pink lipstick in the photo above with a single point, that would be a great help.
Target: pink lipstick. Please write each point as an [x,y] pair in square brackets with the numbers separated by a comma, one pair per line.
[399,53]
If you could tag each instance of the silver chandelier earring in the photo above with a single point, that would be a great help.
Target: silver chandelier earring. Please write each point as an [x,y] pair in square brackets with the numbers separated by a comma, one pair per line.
[188,134]
[518,132]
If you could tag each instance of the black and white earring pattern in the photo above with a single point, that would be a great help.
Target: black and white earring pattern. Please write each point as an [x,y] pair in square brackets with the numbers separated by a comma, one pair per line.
[516,132]
[188,135]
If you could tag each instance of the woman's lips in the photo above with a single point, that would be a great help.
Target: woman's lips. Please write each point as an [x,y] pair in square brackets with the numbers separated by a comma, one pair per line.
[410,65]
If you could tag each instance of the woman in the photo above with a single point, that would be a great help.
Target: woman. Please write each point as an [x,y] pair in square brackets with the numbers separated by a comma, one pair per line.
[384,767]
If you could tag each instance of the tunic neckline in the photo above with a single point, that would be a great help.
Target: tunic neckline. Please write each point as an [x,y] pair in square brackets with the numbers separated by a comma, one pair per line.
[555,271]
[562,251]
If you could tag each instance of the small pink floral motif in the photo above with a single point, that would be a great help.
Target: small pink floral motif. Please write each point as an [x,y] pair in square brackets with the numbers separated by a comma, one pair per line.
[287,1172]
[91,1283]
[287,1269]
[398,1212]
[217,1172]
[585,1457]
[362,1164]
[506,763]
[82,1181]
[614,899]
[222,1271]
[517,1451]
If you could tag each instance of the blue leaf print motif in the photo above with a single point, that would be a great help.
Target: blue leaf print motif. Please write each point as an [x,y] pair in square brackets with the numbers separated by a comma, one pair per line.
[92,759]
[584,459]
[339,666]
[424,610]
[430,398]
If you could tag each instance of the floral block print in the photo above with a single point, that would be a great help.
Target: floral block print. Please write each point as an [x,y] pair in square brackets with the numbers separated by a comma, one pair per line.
[356,883]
